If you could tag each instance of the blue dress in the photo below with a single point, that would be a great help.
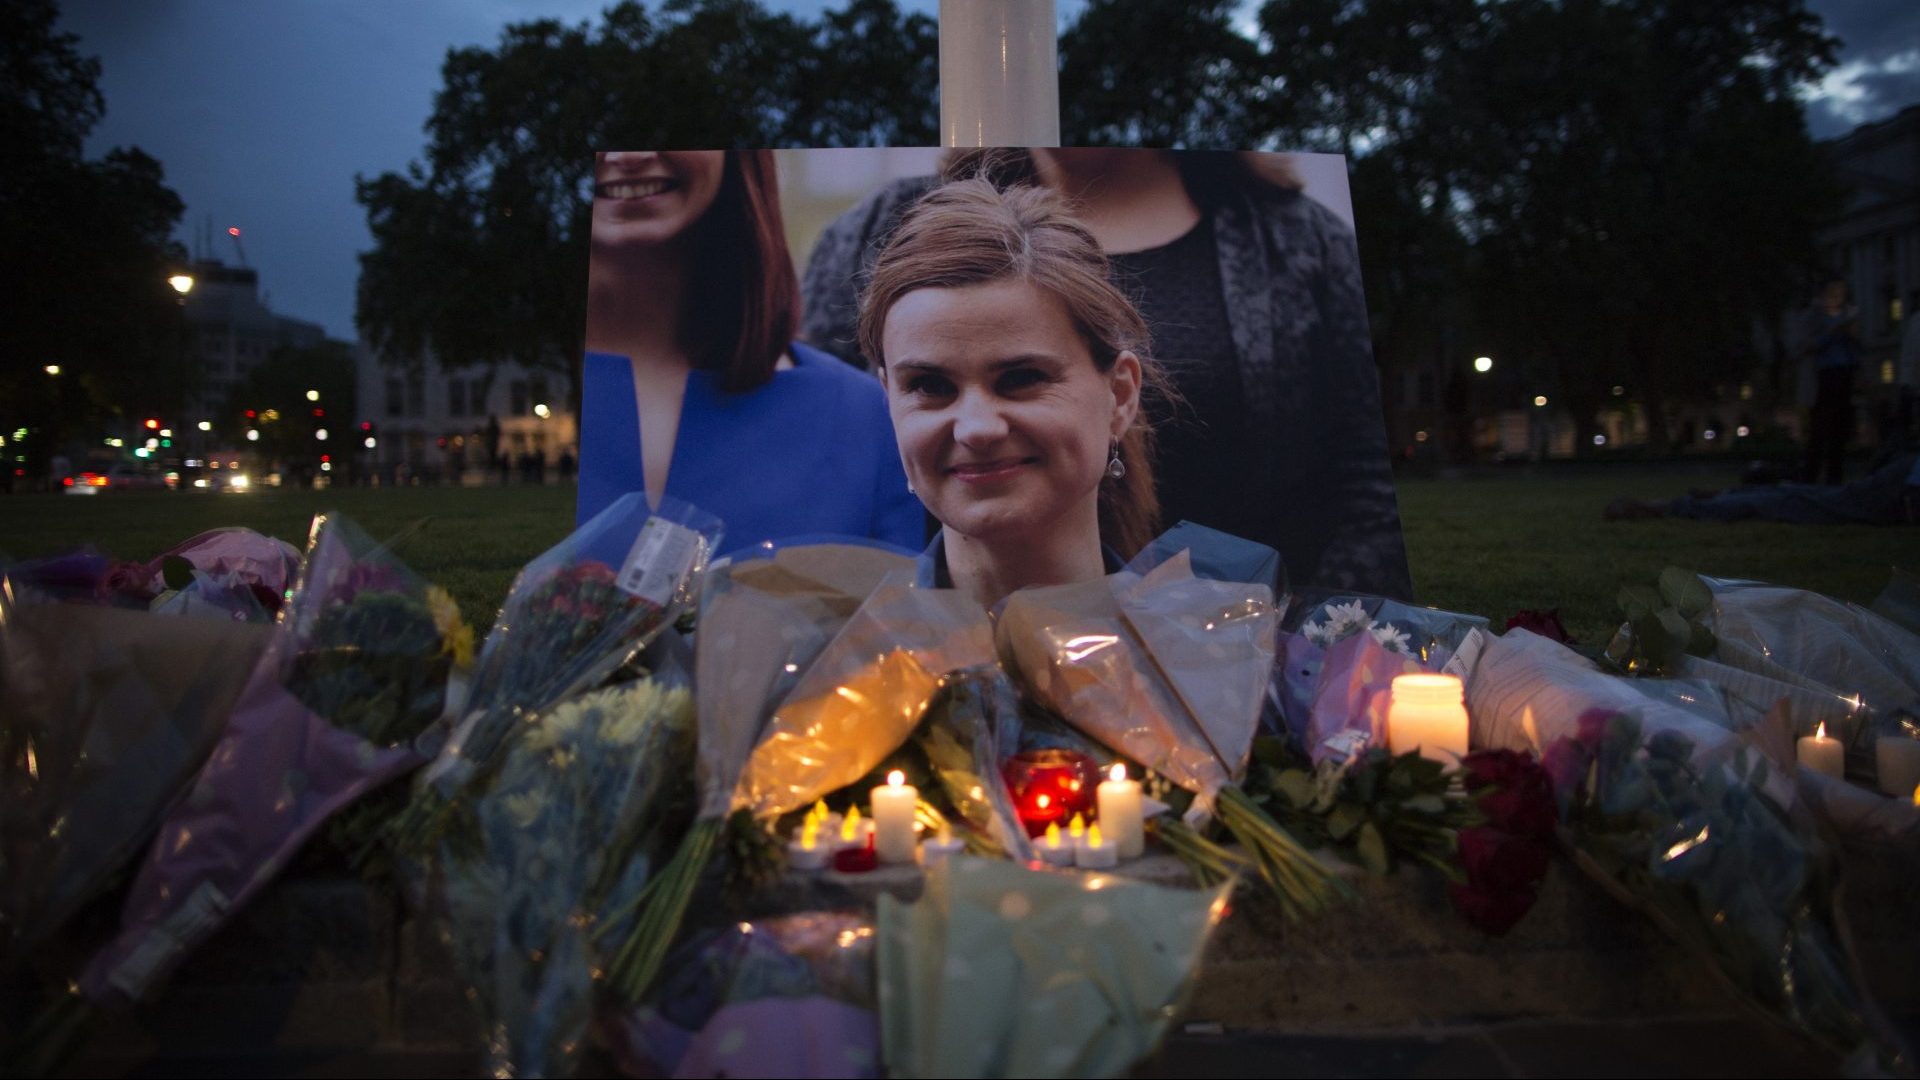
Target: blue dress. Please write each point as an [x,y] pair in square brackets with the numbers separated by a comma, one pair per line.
[810,452]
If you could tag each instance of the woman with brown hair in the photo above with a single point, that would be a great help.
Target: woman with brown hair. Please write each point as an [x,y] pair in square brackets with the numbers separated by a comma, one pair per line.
[1252,291]
[1013,369]
[692,386]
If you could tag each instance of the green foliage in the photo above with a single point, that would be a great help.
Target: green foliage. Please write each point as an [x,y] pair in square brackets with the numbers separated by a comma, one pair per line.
[1664,625]
[1374,810]
[480,251]
[278,386]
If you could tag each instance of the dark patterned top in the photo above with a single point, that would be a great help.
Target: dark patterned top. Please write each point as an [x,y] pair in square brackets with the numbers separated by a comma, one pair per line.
[1177,289]
[1296,314]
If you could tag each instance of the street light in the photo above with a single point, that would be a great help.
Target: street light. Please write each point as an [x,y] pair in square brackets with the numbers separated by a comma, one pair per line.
[542,411]
[1540,401]
[1483,364]
[253,435]
[53,369]
[321,434]
[313,395]
[206,425]
[182,283]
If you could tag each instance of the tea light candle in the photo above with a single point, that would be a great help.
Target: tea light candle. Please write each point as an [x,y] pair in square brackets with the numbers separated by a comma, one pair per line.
[893,819]
[941,848]
[854,831]
[1120,813]
[1822,754]
[1427,714]
[1054,850]
[1898,758]
[1094,852]
[805,851]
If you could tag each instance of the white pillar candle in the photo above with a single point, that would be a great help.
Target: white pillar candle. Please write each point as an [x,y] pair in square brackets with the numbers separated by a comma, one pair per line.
[1094,851]
[1120,814]
[1427,713]
[806,851]
[1898,758]
[893,818]
[1054,849]
[1822,754]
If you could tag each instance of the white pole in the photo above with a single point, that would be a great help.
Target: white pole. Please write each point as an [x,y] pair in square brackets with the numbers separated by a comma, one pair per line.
[999,73]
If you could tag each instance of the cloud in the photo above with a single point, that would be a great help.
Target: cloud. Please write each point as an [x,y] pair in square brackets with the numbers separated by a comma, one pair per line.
[1859,91]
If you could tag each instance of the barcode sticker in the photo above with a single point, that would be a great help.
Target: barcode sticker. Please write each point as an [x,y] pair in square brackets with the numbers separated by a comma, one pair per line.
[661,557]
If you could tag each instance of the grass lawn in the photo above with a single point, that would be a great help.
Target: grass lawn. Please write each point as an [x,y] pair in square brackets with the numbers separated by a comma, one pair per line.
[1487,545]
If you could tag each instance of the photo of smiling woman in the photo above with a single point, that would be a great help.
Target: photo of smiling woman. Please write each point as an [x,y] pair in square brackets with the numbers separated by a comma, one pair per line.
[1014,370]
[692,386]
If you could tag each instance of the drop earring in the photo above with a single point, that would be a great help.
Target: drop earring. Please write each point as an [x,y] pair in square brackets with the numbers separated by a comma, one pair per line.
[1115,467]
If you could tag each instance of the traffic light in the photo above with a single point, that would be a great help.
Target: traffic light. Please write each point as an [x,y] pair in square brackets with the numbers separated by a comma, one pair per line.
[152,424]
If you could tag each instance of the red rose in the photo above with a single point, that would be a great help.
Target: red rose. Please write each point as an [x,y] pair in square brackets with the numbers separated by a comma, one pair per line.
[1525,810]
[1494,768]
[1545,623]
[1490,910]
[1497,860]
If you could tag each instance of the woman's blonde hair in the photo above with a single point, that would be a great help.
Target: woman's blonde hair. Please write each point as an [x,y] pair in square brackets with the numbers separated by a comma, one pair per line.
[970,232]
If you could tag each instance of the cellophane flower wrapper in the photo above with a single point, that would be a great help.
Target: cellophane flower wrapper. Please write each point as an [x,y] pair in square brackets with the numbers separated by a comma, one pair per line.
[864,695]
[573,616]
[355,671]
[1723,868]
[765,617]
[106,714]
[789,996]
[1850,668]
[998,970]
[590,797]
[1325,694]
[230,573]
[1167,669]
[972,728]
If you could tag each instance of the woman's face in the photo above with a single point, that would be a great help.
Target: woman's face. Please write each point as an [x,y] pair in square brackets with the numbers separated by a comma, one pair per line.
[652,198]
[1003,421]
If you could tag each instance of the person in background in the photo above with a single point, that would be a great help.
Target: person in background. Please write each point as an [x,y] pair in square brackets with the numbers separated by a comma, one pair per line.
[1834,345]
[692,384]
[1252,294]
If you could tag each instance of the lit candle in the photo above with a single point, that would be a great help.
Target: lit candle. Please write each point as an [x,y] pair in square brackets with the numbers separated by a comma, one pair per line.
[1094,852]
[854,831]
[1053,850]
[1898,758]
[805,851]
[893,819]
[1822,754]
[1426,713]
[1076,828]
[1120,813]
[941,848]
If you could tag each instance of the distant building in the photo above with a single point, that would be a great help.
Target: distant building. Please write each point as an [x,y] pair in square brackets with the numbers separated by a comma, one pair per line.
[233,330]
[1874,242]
[430,424]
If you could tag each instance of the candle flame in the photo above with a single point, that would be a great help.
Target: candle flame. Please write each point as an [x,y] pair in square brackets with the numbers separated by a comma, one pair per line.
[1053,830]
[896,778]
[1118,772]
[819,811]
[1093,835]
[851,825]
[1822,733]
[1077,826]
[809,835]
[1042,801]
[1916,796]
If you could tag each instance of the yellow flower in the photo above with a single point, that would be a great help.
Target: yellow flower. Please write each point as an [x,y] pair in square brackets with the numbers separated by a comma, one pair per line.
[526,807]
[456,636]
[559,722]
[629,710]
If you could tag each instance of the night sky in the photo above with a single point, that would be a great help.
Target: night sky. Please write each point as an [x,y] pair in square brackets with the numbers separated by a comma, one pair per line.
[262,113]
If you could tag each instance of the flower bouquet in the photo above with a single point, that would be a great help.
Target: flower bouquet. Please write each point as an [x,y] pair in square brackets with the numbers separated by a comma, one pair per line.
[1722,868]
[573,616]
[763,621]
[1167,668]
[106,714]
[590,796]
[355,672]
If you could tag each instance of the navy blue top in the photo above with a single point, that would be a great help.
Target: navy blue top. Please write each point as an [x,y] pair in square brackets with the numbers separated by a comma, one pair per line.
[809,452]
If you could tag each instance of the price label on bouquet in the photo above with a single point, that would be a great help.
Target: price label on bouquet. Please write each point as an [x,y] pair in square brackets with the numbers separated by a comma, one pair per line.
[661,558]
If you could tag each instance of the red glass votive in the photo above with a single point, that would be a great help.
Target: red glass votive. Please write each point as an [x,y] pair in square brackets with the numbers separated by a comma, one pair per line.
[1051,786]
